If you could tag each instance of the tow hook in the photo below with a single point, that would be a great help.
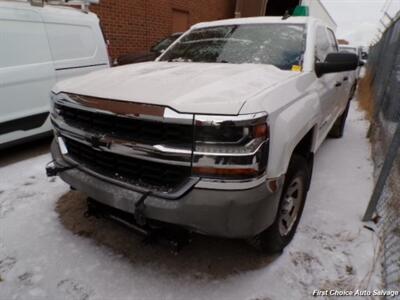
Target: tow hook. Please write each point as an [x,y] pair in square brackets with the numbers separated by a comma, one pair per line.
[53,170]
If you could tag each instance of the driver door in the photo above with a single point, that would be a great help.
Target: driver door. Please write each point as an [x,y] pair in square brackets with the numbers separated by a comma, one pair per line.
[329,85]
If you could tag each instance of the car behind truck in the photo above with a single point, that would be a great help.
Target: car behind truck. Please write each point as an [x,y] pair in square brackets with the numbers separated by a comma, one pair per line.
[217,136]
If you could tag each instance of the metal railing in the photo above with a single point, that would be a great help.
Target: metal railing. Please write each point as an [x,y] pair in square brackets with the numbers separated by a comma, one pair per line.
[383,73]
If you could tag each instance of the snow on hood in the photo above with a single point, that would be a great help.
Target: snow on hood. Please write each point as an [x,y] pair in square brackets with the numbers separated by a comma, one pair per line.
[186,87]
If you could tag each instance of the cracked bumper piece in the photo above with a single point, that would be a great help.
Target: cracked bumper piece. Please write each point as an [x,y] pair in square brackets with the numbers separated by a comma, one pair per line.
[224,213]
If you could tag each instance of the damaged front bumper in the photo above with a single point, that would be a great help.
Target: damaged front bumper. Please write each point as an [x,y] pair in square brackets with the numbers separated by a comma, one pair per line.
[232,212]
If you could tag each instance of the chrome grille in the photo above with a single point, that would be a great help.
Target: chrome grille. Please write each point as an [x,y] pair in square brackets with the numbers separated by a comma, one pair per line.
[130,129]
[146,174]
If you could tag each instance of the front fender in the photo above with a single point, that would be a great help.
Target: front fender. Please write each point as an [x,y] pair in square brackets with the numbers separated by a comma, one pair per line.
[288,128]
[293,109]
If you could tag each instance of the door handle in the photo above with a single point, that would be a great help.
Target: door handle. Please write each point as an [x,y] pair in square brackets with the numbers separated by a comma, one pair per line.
[345,78]
[338,84]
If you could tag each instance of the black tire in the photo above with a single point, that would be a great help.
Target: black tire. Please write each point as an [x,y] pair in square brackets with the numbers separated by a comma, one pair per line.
[273,239]
[337,130]
[353,91]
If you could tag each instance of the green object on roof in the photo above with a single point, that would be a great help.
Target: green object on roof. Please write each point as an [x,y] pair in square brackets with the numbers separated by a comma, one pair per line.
[301,11]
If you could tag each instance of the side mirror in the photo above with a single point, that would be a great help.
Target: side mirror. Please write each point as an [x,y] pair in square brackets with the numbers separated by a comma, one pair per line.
[337,62]
[364,55]
[361,63]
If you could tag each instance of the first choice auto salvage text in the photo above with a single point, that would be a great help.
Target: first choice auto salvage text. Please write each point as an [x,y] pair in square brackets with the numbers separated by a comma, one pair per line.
[361,293]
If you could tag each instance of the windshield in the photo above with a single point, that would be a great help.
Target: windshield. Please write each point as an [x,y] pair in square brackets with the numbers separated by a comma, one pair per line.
[281,45]
[164,44]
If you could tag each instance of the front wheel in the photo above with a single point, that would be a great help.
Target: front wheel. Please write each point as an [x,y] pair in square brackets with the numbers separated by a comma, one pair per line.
[276,237]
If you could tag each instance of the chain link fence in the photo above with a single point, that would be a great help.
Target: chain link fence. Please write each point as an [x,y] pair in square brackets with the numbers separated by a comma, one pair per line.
[383,87]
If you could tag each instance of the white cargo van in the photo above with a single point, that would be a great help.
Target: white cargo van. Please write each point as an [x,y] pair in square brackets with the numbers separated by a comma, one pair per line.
[39,47]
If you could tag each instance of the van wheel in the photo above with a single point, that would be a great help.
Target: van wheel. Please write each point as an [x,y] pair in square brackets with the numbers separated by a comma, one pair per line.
[338,128]
[276,237]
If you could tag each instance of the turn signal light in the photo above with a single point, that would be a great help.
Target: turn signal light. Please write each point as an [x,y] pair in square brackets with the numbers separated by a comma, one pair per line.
[207,171]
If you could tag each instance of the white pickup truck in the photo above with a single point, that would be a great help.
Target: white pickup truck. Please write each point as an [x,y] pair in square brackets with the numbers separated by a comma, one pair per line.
[217,136]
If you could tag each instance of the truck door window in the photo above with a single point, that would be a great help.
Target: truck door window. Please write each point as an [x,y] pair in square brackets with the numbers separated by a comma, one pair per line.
[333,41]
[323,45]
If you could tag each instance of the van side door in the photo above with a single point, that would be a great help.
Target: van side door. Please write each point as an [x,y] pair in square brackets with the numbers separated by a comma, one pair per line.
[26,73]
[76,42]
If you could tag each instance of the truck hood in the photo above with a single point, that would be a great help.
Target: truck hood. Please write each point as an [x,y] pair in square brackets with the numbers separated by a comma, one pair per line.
[209,88]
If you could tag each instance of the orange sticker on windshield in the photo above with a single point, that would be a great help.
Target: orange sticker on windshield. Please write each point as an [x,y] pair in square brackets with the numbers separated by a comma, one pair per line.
[296,68]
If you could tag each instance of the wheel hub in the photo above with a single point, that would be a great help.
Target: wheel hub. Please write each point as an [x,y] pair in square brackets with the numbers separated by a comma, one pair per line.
[291,204]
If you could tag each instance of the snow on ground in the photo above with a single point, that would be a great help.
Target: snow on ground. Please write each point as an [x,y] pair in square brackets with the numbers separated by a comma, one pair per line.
[48,250]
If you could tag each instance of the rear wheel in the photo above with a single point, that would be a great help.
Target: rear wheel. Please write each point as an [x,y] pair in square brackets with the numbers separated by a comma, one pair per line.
[353,91]
[338,128]
[275,238]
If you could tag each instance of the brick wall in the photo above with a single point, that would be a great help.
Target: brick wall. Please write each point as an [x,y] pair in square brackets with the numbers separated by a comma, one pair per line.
[135,25]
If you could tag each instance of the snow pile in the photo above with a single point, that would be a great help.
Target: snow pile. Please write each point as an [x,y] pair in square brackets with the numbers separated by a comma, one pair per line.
[48,250]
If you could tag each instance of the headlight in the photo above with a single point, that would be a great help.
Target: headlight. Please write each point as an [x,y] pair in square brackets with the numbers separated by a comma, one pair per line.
[230,147]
